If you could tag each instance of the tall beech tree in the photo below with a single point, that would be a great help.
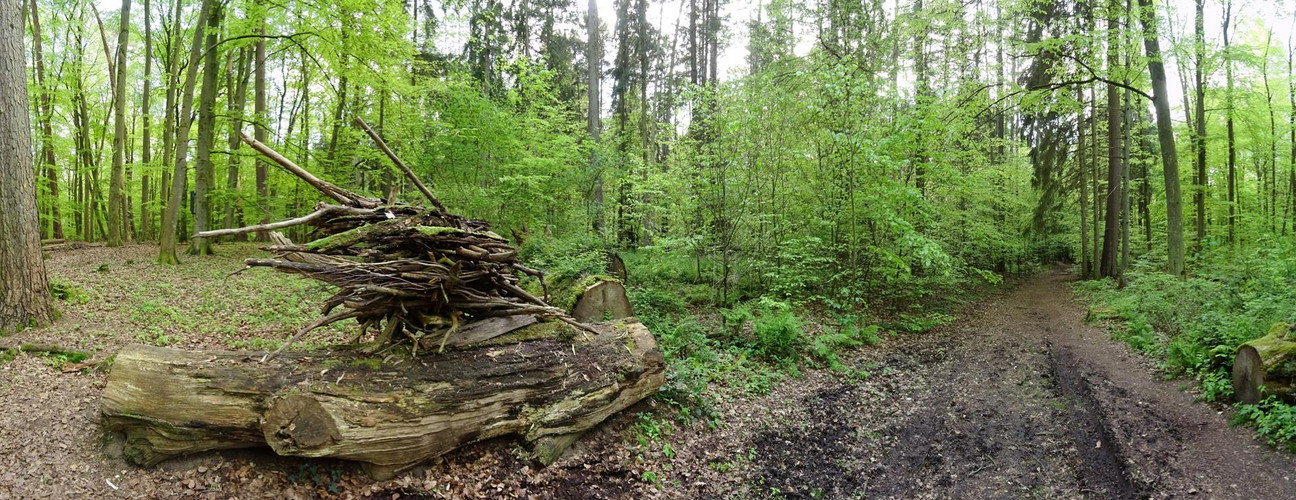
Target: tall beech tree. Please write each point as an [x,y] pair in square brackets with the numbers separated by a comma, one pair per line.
[170,218]
[117,199]
[1165,137]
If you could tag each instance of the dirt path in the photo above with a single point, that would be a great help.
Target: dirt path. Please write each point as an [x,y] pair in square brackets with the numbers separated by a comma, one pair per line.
[1018,399]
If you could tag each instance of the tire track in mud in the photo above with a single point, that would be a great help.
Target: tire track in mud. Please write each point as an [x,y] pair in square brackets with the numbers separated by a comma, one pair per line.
[1102,467]
[1016,399]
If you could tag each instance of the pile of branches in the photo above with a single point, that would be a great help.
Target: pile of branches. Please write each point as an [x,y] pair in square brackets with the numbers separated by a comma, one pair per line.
[403,271]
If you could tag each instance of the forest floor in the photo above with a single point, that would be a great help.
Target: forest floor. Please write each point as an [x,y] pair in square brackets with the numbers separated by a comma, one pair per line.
[1017,398]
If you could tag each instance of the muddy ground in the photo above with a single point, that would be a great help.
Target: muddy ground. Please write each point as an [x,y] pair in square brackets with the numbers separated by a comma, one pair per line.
[1018,398]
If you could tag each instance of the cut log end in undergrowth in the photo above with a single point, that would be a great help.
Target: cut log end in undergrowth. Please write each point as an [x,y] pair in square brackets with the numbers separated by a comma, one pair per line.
[1266,367]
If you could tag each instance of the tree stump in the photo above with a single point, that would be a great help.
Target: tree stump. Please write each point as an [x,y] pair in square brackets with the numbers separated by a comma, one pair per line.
[546,382]
[1266,367]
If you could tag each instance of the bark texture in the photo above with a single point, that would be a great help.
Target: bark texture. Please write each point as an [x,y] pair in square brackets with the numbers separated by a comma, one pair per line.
[546,382]
[24,291]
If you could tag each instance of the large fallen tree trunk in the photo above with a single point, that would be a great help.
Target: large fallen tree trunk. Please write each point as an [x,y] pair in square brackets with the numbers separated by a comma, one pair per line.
[1266,367]
[546,382]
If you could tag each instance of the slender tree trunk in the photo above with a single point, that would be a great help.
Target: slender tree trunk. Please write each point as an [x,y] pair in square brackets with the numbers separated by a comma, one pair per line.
[146,149]
[1094,169]
[117,187]
[167,251]
[921,98]
[47,130]
[1165,135]
[236,102]
[169,117]
[1082,176]
[1111,229]
[1127,119]
[204,168]
[24,290]
[594,56]
[1228,126]
[1291,125]
[1199,119]
[81,122]
[259,132]
[1273,136]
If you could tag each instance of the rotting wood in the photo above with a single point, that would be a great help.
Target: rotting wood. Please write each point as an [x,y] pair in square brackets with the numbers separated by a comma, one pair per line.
[1266,366]
[467,353]
[546,383]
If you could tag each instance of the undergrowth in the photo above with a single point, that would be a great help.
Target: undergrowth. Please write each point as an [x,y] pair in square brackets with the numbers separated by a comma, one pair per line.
[768,327]
[1193,325]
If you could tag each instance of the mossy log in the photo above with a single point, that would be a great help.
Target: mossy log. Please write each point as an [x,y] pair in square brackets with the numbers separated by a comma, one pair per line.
[1266,367]
[547,383]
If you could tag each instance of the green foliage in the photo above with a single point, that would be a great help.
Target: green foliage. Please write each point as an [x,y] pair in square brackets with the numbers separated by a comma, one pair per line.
[778,331]
[1273,420]
[1195,324]
[68,291]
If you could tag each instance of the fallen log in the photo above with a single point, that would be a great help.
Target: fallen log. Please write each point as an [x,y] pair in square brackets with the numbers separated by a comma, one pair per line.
[1266,366]
[546,382]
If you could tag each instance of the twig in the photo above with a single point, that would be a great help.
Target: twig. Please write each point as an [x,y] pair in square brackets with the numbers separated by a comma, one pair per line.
[318,323]
[327,210]
[399,164]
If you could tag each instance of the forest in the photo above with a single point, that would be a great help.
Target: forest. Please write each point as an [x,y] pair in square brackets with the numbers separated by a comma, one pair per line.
[872,239]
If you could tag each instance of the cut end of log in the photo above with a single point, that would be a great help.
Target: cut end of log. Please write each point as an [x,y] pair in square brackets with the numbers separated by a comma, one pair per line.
[297,425]
[603,300]
[1248,375]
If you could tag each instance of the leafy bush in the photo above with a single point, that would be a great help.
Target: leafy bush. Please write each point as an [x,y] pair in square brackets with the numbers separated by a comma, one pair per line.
[1272,419]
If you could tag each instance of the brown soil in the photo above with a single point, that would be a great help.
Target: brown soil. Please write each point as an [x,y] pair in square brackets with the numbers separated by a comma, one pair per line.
[1017,399]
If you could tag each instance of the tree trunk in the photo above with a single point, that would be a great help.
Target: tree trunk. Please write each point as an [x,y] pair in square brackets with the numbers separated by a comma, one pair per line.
[1228,127]
[167,250]
[545,382]
[146,149]
[1082,174]
[1165,136]
[1291,127]
[24,290]
[47,130]
[169,122]
[260,126]
[204,168]
[117,185]
[236,102]
[594,79]
[1266,367]
[1273,135]
[1109,265]
[1199,119]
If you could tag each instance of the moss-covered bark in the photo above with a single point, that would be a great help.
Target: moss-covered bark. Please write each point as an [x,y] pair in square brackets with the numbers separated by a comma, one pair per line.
[550,384]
